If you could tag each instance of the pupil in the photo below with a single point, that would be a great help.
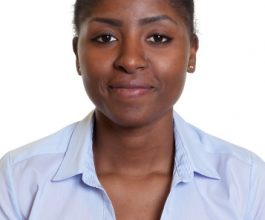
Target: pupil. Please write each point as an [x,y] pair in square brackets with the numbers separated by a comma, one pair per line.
[106,38]
[158,38]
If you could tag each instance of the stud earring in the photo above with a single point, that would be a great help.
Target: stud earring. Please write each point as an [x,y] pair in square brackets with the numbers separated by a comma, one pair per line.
[191,68]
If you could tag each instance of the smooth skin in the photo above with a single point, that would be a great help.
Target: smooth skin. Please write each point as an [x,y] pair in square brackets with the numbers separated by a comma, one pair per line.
[133,57]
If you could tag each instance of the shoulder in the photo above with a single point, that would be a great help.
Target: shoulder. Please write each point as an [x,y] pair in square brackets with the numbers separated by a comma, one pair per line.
[199,140]
[227,152]
[241,173]
[221,147]
[230,155]
[226,158]
[49,146]
[24,170]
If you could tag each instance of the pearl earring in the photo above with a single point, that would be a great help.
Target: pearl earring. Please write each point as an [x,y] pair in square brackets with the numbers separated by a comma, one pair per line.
[191,68]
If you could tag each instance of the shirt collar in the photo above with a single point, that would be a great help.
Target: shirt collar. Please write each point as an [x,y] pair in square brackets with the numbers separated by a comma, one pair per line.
[78,157]
[190,157]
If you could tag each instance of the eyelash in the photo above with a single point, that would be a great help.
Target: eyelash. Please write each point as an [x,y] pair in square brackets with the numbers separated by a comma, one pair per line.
[156,38]
[109,38]
[163,39]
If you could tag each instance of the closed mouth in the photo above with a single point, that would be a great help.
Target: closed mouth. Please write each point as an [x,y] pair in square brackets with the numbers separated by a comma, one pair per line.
[130,86]
[130,89]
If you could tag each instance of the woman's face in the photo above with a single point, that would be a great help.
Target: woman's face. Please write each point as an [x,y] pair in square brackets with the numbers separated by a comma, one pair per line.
[133,57]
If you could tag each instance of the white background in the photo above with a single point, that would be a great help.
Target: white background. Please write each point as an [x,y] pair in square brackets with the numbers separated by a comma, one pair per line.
[40,91]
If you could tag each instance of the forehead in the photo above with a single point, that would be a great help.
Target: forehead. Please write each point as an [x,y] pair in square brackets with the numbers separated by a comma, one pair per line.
[135,8]
[130,12]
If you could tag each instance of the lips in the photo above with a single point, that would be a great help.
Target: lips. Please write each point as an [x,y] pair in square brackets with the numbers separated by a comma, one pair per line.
[130,89]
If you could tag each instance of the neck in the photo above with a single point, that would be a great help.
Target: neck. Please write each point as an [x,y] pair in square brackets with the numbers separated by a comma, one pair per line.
[134,151]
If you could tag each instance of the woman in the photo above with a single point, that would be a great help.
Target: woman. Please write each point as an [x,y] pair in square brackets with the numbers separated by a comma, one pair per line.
[133,157]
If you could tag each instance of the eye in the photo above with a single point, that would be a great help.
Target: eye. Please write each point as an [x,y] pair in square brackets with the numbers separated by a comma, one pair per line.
[159,39]
[105,38]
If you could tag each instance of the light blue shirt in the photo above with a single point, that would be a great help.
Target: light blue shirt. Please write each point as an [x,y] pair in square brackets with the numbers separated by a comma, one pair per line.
[54,178]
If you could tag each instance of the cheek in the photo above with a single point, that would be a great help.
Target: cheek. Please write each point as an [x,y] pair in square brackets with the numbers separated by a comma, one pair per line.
[172,74]
[94,77]
[172,71]
[174,86]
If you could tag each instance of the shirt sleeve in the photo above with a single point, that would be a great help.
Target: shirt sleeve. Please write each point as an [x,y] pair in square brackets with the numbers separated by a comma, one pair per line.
[256,203]
[8,202]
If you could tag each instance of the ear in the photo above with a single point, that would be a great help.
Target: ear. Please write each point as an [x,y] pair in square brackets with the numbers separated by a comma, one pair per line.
[75,49]
[193,51]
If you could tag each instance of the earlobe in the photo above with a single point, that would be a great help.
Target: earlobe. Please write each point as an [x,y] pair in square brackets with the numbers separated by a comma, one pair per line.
[191,69]
[193,51]
[75,50]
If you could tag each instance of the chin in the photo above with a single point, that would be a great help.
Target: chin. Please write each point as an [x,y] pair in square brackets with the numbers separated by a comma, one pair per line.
[133,118]
[130,119]
[132,122]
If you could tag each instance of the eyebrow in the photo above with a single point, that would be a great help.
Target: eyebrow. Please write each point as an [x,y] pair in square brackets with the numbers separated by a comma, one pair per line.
[148,20]
[109,21]
[142,22]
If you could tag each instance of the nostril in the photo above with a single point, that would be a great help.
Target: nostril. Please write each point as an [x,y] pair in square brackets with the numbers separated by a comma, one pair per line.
[131,64]
[130,58]
[122,69]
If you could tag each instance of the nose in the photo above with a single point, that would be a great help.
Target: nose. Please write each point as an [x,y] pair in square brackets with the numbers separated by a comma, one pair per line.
[131,58]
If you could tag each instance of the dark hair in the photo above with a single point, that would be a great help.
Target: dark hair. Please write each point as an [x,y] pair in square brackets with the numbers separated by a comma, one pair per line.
[82,9]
